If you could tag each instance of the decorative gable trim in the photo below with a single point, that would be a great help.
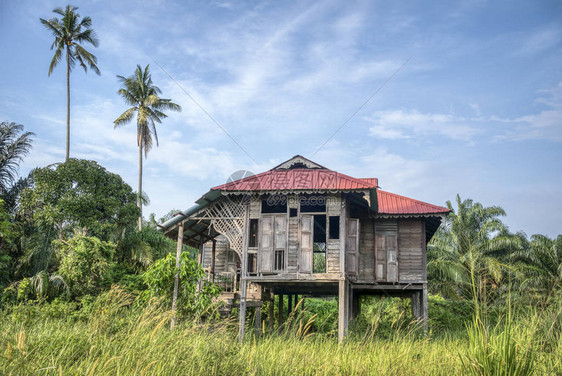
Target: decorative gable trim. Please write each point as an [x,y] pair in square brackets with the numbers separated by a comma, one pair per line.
[298,161]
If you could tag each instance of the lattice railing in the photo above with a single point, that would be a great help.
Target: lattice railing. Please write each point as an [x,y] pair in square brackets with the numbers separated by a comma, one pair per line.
[227,217]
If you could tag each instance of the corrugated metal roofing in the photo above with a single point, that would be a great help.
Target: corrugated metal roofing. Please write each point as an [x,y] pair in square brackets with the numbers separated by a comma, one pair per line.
[390,203]
[298,179]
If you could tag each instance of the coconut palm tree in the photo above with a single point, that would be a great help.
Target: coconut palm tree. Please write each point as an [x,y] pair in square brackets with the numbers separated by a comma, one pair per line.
[14,145]
[69,34]
[468,256]
[140,92]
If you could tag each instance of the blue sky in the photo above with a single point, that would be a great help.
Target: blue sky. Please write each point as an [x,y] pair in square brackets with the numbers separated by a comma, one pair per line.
[476,111]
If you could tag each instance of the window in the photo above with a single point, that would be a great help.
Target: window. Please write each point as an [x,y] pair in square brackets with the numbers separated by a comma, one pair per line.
[312,203]
[274,204]
[293,212]
[319,245]
[279,260]
[334,227]
[253,241]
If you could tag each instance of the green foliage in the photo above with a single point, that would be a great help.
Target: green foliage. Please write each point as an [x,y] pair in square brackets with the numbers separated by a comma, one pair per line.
[85,263]
[495,352]
[540,268]
[108,336]
[14,145]
[80,194]
[141,248]
[160,281]
[469,254]
[6,241]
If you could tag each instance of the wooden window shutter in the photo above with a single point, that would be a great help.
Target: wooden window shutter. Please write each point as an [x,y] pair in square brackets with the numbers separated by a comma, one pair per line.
[392,258]
[265,250]
[352,246]
[306,243]
[380,257]
[280,231]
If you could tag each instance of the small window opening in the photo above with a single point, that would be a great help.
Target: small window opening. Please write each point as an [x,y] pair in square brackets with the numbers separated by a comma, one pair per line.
[253,241]
[293,212]
[279,260]
[313,203]
[252,262]
[274,204]
[319,244]
[334,227]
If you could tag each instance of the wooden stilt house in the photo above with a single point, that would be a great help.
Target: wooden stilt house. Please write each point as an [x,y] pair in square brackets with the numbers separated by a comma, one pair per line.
[301,230]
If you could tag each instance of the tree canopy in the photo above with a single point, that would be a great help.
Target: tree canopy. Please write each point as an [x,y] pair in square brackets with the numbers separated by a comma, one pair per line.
[80,195]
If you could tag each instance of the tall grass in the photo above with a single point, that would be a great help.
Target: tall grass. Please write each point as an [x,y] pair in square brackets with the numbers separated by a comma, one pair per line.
[115,339]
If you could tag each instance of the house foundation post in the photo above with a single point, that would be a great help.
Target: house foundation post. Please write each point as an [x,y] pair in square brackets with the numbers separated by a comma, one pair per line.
[356,305]
[177,276]
[213,254]
[257,321]
[271,312]
[343,309]
[416,314]
[280,313]
[424,315]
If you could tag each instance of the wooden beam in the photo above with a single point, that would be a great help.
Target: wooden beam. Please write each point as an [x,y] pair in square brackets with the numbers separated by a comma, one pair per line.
[244,282]
[177,276]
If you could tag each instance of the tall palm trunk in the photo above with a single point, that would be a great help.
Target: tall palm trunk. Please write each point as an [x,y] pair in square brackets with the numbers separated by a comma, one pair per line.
[67,103]
[139,202]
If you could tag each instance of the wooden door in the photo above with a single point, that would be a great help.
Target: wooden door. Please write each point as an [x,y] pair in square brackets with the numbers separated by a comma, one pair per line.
[386,258]
[352,246]
[306,243]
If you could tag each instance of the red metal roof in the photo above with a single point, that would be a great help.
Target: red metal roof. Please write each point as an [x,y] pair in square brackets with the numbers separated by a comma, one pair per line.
[298,179]
[390,203]
[322,179]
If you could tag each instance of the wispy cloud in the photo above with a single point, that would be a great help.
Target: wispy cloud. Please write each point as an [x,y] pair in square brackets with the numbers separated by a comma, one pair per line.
[407,124]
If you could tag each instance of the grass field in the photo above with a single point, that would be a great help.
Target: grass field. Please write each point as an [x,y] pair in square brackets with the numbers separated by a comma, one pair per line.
[111,339]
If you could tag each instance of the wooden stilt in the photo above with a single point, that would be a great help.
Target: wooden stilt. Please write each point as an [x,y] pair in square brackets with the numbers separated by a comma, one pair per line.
[280,313]
[356,306]
[177,276]
[244,282]
[271,312]
[343,309]
[257,321]
[289,304]
[416,306]
[213,254]
[424,308]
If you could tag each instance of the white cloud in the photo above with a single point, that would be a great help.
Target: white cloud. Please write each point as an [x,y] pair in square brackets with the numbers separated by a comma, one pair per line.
[404,124]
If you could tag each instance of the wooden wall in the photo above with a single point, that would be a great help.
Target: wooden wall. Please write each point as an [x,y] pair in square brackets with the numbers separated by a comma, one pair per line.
[411,244]
[220,255]
[392,250]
